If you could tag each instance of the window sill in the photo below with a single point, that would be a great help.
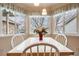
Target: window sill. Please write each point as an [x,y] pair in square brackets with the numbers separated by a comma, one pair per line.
[72,34]
[5,35]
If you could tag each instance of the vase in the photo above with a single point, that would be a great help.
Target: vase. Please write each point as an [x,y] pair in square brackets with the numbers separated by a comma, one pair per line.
[40,36]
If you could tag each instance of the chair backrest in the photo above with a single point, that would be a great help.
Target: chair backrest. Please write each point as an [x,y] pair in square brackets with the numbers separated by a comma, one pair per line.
[44,53]
[16,39]
[61,38]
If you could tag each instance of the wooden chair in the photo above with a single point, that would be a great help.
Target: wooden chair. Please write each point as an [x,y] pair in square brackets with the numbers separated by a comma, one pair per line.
[16,39]
[54,52]
[61,38]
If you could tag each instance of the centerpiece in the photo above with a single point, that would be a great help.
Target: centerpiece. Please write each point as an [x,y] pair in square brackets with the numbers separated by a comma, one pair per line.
[41,31]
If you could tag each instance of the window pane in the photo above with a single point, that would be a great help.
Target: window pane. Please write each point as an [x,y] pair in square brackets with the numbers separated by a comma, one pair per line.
[20,18]
[71,27]
[62,19]
[11,21]
[37,21]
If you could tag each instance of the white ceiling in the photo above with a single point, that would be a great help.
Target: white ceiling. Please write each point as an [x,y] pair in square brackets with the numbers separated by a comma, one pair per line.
[29,7]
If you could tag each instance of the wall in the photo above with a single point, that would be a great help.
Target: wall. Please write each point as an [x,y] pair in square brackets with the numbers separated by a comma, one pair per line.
[5,44]
[36,35]
[26,26]
[72,43]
